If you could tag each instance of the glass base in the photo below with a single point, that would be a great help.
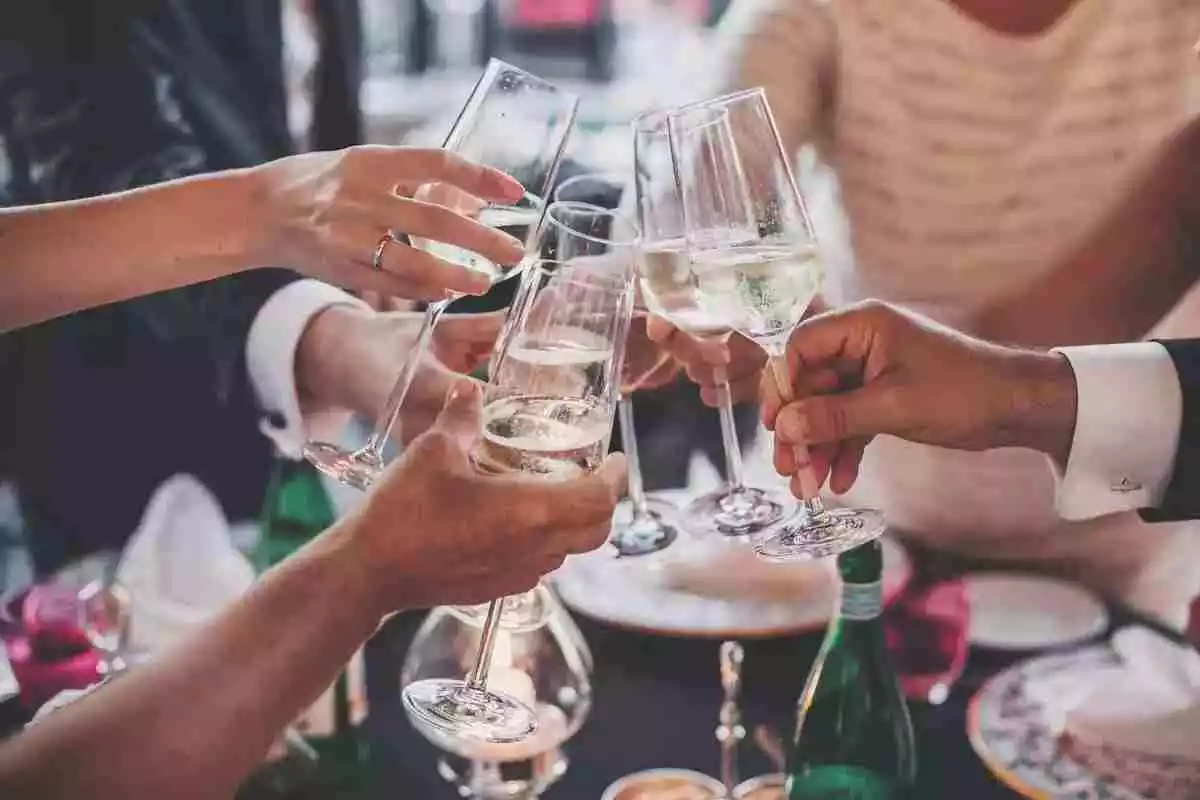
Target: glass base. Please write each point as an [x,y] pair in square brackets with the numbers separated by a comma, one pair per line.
[737,512]
[452,708]
[356,468]
[522,612]
[833,533]
[656,531]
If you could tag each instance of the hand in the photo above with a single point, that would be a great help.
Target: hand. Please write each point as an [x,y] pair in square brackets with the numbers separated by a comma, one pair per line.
[706,361]
[434,531]
[349,358]
[875,369]
[325,213]
[735,359]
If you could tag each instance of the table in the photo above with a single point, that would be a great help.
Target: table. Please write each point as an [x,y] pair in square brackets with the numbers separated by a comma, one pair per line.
[655,705]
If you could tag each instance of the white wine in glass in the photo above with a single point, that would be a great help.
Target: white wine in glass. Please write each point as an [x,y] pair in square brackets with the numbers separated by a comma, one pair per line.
[754,262]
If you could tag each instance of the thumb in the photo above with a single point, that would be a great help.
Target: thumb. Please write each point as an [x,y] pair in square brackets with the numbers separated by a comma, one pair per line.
[860,413]
[462,415]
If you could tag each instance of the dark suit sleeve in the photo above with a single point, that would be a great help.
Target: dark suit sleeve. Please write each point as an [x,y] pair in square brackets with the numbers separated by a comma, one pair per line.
[112,402]
[1182,498]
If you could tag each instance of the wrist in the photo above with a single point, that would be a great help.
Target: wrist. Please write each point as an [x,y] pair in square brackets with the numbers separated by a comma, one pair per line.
[1041,404]
[334,361]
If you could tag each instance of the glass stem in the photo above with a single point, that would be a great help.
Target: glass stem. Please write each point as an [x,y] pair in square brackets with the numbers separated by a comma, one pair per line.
[735,478]
[808,477]
[477,679]
[637,489]
[395,401]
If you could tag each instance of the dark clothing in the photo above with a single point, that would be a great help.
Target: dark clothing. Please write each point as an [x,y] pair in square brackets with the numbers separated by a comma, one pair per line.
[102,95]
[1182,498]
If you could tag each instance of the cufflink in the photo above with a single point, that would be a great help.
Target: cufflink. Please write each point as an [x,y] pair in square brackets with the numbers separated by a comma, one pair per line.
[1126,486]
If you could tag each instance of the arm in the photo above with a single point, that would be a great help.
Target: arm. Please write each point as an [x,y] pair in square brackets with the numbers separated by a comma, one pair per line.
[1110,417]
[1127,274]
[192,723]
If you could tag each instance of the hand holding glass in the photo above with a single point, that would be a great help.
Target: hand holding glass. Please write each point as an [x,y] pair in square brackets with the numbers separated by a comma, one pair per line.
[753,260]
[548,413]
[512,121]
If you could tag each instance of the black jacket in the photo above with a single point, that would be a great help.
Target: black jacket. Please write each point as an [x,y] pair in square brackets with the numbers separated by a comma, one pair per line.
[102,95]
[1182,498]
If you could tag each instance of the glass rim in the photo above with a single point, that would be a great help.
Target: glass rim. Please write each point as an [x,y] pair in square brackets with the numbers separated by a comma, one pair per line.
[599,211]
[729,99]
[495,65]
[615,177]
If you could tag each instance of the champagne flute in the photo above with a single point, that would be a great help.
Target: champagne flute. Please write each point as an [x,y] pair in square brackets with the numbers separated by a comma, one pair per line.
[548,413]
[664,281]
[643,524]
[512,121]
[752,257]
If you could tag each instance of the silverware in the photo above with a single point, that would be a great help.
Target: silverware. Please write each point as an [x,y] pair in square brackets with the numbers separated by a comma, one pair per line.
[730,730]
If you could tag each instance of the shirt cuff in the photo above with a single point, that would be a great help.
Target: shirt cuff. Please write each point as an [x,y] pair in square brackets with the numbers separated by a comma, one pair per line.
[271,361]
[1129,411]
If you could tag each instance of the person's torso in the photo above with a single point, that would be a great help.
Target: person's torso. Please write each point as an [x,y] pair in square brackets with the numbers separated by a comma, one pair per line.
[969,160]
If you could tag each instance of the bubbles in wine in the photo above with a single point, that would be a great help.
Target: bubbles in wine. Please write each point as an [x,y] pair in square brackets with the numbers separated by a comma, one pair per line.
[554,437]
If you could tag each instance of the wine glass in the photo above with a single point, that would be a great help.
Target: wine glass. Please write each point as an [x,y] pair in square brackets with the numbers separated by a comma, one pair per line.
[665,282]
[642,524]
[548,413]
[753,261]
[512,121]
[549,667]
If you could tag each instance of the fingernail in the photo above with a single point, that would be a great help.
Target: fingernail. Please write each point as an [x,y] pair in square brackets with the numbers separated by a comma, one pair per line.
[461,390]
[511,186]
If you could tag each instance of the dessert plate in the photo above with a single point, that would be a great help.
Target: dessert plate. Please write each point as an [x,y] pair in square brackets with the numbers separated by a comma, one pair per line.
[1011,611]
[1014,724]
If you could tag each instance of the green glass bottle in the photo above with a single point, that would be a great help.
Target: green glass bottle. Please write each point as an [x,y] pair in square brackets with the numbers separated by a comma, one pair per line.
[297,509]
[854,736]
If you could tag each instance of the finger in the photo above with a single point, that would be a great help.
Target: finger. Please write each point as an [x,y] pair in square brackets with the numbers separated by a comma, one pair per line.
[429,277]
[831,338]
[423,220]
[741,390]
[836,417]
[471,330]
[659,330]
[409,167]
[462,414]
[784,458]
[771,401]
[588,539]
[844,471]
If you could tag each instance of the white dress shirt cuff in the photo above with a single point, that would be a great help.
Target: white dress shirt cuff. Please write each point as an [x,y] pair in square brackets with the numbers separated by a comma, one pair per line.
[1129,412]
[271,361]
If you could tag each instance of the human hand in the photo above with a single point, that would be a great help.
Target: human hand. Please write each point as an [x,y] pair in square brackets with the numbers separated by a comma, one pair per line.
[874,369]
[435,531]
[708,361]
[349,358]
[325,213]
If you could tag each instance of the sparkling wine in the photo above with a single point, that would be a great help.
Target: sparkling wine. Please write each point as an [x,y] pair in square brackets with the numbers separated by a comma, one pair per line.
[514,221]
[670,290]
[558,361]
[544,435]
[761,291]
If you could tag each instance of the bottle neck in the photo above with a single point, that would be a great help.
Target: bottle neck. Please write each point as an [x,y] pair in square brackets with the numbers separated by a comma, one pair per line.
[861,570]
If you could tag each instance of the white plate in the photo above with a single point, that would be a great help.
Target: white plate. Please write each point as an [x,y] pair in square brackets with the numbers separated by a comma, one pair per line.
[1014,728]
[714,588]
[1028,612]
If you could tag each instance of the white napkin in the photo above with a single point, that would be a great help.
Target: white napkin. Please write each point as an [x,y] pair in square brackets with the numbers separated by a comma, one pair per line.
[1148,705]
[181,566]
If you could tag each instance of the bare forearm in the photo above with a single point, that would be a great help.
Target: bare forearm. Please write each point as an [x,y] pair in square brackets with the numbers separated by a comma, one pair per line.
[1040,414]
[195,722]
[64,257]
[1133,268]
